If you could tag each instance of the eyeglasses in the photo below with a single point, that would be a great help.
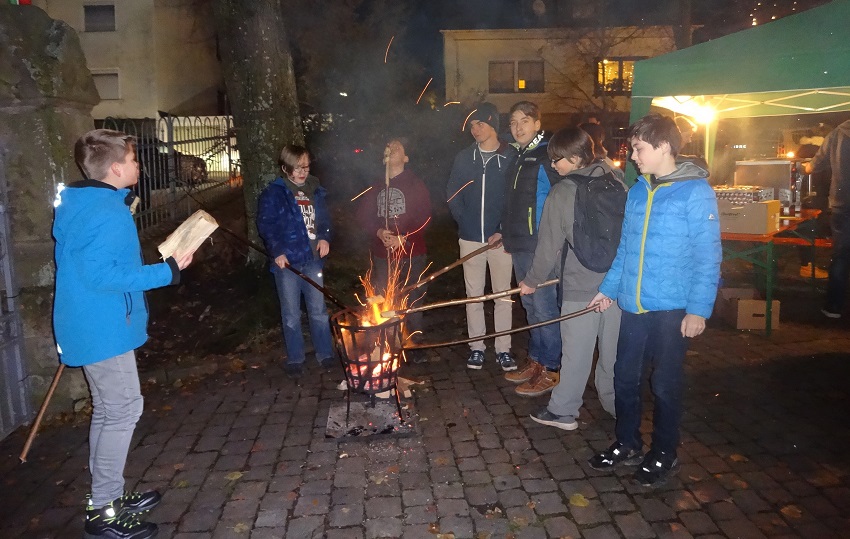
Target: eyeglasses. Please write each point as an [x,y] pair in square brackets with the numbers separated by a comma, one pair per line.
[555,161]
[301,169]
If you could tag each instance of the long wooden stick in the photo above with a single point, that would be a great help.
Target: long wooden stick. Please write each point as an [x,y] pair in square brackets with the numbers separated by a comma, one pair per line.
[463,301]
[501,333]
[410,288]
[37,422]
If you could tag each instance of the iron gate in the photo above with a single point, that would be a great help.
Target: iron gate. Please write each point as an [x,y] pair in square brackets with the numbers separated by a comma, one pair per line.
[15,407]
[183,162]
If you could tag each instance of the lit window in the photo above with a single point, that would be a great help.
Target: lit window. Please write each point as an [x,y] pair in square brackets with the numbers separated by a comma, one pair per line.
[99,18]
[530,77]
[614,76]
[107,85]
[516,77]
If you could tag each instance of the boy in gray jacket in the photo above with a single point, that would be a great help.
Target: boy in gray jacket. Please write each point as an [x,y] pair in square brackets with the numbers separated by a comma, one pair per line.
[571,151]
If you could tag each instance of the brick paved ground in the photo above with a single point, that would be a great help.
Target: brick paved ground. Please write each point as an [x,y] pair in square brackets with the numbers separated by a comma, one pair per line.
[243,454]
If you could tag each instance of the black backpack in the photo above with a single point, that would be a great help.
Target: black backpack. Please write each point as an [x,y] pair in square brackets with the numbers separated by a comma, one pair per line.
[599,207]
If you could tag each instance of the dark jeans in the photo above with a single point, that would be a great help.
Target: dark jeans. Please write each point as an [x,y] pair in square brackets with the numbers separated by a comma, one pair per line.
[654,339]
[839,269]
[544,343]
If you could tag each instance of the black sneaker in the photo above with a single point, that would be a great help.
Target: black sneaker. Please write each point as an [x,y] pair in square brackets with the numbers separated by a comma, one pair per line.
[111,523]
[475,360]
[136,503]
[545,417]
[656,468]
[295,371]
[328,363]
[506,361]
[614,456]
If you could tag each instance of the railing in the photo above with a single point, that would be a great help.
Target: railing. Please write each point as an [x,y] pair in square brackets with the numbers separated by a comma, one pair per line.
[183,162]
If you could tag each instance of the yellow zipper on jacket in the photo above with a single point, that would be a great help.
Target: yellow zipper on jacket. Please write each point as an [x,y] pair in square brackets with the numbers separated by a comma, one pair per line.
[649,197]
[530,228]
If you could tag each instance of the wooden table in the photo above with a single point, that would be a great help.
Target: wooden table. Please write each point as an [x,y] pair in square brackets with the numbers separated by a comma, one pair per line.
[762,253]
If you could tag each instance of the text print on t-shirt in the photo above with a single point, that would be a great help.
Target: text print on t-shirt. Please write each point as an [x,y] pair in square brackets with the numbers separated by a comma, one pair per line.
[308,212]
[397,203]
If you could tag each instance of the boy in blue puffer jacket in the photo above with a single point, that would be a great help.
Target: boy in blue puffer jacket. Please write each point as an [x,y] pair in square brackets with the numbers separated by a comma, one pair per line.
[664,278]
[100,318]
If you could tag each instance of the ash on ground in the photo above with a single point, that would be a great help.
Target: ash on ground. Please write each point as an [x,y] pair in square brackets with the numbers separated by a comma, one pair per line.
[366,422]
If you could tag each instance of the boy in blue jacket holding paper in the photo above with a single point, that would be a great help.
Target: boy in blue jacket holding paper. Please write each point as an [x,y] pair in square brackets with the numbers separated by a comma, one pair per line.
[664,278]
[100,318]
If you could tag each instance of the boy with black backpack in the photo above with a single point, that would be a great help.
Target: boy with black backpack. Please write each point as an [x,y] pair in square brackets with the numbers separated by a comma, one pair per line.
[579,231]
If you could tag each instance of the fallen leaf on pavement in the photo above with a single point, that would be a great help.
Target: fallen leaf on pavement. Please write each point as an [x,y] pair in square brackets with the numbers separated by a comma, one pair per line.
[579,500]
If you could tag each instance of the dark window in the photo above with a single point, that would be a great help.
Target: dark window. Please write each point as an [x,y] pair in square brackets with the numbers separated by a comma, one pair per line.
[530,77]
[99,18]
[502,78]
[614,76]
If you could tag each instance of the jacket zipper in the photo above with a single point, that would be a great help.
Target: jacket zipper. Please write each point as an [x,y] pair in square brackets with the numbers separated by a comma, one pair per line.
[650,195]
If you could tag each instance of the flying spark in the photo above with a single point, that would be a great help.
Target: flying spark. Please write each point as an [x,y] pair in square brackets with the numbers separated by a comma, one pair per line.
[467,119]
[459,190]
[451,103]
[388,49]
[361,194]
[423,90]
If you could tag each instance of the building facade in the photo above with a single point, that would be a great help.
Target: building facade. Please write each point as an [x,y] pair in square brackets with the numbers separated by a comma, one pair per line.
[146,56]
[569,72]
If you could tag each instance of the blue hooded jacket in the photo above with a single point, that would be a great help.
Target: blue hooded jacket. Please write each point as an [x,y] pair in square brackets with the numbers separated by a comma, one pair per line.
[477,207]
[669,253]
[281,225]
[99,310]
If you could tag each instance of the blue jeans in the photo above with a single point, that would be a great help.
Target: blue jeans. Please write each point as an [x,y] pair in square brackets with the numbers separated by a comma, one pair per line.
[544,343]
[839,268]
[290,288]
[653,338]
[116,407]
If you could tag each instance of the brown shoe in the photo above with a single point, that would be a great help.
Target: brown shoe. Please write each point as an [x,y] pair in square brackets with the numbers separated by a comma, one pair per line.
[541,384]
[531,369]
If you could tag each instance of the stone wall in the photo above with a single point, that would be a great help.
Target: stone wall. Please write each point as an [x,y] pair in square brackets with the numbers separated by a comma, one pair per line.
[46,98]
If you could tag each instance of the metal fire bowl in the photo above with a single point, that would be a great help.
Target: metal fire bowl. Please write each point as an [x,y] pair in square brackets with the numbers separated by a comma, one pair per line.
[370,355]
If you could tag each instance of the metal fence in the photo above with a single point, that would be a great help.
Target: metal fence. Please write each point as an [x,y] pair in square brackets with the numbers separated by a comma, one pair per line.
[183,162]
[15,404]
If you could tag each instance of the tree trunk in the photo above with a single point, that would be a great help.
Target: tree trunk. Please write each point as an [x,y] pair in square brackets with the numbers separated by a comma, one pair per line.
[260,82]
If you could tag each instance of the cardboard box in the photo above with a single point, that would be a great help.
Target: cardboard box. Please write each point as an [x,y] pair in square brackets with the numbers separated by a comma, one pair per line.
[742,308]
[753,218]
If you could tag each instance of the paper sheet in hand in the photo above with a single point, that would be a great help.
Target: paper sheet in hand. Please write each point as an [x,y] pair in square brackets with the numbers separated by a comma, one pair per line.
[189,235]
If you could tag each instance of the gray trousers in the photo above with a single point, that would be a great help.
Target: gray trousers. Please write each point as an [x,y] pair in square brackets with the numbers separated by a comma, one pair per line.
[579,338]
[117,405]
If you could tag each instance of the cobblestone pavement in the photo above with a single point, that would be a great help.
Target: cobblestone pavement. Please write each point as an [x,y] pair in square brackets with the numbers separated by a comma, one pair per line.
[244,454]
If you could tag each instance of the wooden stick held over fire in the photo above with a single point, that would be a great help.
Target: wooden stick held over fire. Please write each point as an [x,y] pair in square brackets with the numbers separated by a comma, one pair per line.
[411,287]
[38,418]
[451,302]
[501,333]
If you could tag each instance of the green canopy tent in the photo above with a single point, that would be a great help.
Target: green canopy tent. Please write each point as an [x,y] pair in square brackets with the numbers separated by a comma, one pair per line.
[798,64]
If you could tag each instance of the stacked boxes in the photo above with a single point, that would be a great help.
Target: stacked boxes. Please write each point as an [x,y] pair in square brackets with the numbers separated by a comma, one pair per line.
[747,209]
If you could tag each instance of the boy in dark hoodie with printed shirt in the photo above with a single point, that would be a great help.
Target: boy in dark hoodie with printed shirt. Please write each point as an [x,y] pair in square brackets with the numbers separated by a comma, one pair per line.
[476,195]
[100,318]
[528,183]
[664,278]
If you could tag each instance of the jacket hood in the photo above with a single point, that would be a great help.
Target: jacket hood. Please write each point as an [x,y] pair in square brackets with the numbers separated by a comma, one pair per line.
[593,170]
[844,127]
[78,197]
[684,172]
